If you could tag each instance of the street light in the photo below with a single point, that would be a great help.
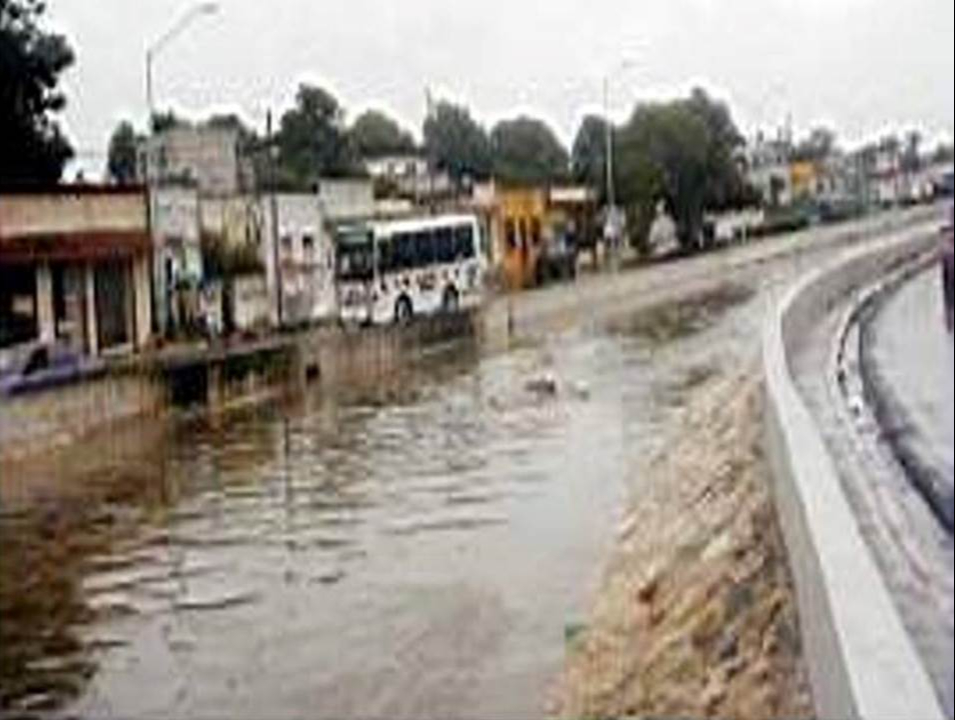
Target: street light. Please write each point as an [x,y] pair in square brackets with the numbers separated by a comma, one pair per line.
[195,12]
[612,220]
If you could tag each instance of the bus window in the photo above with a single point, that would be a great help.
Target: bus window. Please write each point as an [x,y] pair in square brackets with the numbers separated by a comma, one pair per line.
[444,245]
[464,242]
[509,239]
[403,251]
[386,255]
[423,248]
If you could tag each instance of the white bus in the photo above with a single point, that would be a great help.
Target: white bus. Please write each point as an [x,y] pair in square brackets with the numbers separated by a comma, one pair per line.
[390,271]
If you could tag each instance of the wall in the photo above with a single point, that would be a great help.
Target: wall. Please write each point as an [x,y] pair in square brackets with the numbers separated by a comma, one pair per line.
[861,661]
[67,212]
[38,421]
[307,273]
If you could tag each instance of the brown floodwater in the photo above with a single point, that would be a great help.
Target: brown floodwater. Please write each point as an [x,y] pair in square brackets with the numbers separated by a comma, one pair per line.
[423,549]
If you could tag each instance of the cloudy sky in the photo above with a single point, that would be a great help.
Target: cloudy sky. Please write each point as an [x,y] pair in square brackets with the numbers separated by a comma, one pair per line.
[861,67]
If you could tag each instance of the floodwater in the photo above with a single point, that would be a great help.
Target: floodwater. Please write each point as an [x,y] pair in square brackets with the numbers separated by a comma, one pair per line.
[422,549]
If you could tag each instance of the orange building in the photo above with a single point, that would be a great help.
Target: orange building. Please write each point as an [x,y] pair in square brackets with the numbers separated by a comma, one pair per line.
[518,221]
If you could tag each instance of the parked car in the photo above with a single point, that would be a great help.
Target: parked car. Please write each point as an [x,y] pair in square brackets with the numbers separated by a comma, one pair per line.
[45,364]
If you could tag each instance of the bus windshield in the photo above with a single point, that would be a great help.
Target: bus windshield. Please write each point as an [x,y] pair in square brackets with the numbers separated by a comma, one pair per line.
[355,256]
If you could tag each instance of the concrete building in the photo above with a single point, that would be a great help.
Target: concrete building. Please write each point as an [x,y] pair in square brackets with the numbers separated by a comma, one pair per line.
[408,176]
[346,198]
[177,250]
[206,157]
[766,165]
[396,167]
[75,268]
[302,244]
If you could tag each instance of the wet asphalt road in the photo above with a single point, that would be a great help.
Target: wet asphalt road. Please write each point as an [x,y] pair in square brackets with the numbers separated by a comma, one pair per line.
[910,357]
[914,551]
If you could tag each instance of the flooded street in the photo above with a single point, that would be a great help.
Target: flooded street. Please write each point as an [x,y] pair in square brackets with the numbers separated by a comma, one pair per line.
[423,549]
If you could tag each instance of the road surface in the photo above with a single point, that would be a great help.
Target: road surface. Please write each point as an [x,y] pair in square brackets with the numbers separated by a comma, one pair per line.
[910,359]
[906,338]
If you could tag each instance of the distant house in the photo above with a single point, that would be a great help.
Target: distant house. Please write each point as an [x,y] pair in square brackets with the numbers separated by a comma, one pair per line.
[74,268]
[408,176]
[519,220]
[302,244]
[205,157]
[766,166]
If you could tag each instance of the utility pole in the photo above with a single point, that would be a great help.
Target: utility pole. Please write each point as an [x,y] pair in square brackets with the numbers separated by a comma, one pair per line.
[274,218]
[608,127]
[428,112]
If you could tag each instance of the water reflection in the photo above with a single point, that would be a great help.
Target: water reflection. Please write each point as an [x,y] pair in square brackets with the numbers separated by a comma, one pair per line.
[411,548]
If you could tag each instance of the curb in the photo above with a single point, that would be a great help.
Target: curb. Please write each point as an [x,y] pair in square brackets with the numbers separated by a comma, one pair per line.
[861,661]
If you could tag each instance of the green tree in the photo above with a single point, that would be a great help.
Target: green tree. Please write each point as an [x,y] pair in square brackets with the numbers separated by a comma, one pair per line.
[162,120]
[33,149]
[312,140]
[820,144]
[588,157]
[525,150]
[681,152]
[374,134]
[911,158]
[121,159]
[456,143]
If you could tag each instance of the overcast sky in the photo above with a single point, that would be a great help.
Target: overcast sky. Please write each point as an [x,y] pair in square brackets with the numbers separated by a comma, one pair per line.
[861,67]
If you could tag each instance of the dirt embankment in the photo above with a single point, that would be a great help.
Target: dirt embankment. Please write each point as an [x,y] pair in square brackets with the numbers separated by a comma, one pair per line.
[696,616]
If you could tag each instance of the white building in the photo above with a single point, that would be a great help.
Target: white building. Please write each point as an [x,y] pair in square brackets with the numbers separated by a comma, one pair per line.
[207,157]
[766,164]
[302,244]
[177,250]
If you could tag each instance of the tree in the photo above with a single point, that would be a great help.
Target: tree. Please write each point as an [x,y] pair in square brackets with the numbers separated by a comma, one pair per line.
[681,152]
[162,120]
[588,158]
[525,150]
[819,145]
[121,161]
[33,149]
[456,143]
[312,141]
[911,160]
[374,134]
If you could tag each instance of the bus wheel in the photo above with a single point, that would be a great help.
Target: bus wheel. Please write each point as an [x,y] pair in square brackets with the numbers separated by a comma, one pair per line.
[403,311]
[449,302]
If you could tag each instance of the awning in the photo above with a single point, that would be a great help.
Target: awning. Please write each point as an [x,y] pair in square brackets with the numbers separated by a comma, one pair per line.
[76,246]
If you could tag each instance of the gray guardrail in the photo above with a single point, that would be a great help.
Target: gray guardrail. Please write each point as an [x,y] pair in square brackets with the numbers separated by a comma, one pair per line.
[861,661]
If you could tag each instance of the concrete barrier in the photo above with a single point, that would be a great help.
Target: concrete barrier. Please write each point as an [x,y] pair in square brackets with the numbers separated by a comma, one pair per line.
[861,660]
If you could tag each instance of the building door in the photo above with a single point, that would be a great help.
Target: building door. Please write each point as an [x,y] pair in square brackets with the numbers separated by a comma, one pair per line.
[69,304]
[113,303]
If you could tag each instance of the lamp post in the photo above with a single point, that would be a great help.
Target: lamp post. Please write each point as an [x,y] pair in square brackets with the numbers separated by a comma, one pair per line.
[207,7]
[191,15]
[612,221]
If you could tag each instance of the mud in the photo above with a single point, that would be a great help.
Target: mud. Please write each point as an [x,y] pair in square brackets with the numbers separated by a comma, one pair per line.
[696,615]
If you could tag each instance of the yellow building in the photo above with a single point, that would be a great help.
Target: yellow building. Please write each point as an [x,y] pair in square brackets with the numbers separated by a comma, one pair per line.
[514,220]
[803,178]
